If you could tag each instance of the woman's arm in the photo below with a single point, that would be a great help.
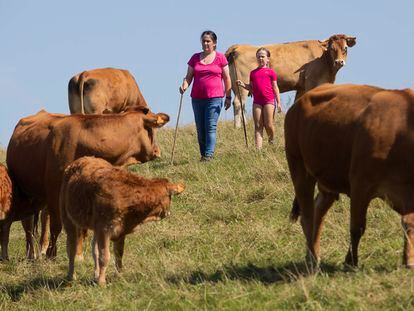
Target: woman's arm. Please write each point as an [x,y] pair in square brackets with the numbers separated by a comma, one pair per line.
[277,94]
[187,80]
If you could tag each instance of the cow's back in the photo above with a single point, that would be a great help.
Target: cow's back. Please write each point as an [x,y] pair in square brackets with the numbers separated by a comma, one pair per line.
[105,90]
[321,128]
[27,149]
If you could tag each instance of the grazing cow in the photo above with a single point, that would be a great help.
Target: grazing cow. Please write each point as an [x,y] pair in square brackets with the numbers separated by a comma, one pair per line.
[357,140]
[105,90]
[113,203]
[122,139]
[300,66]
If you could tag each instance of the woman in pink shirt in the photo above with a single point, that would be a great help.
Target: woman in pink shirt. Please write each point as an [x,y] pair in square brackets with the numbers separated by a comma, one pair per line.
[263,86]
[208,69]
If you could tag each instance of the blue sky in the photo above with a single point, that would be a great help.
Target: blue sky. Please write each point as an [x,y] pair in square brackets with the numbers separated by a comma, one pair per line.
[44,43]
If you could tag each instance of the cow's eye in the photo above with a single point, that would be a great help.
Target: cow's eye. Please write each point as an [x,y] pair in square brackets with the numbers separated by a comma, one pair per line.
[345,49]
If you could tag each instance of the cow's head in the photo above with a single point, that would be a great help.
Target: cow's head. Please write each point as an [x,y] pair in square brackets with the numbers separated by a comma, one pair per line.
[337,48]
[149,148]
[164,190]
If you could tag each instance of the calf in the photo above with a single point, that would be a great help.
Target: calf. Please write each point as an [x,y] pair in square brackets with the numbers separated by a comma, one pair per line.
[112,202]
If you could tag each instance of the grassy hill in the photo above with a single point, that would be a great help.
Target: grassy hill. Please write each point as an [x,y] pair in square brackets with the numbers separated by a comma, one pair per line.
[227,245]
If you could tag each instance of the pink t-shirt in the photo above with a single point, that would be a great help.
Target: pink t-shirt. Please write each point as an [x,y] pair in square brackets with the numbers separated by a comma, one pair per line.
[208,80]
[261,82]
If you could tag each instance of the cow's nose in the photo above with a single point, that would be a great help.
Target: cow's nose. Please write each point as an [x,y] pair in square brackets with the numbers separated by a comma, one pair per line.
[157,152]
[339,62]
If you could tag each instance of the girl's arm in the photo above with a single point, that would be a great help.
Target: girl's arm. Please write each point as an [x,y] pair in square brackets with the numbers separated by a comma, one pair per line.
[277,94]
[227,86]
[187,80]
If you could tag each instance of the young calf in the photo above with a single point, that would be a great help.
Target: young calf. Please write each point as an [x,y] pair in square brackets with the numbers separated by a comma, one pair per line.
[112,202]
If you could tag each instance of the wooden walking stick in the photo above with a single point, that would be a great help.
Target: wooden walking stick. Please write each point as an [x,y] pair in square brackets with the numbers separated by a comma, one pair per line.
[241,105]
[176,128]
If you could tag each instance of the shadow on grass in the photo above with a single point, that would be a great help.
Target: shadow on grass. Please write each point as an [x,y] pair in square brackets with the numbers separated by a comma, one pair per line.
[250,272]
[15,292]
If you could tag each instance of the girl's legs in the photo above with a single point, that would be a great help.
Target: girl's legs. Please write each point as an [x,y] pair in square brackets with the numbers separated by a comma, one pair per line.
[199,111]
[212,113]
[268,113]
[258,125]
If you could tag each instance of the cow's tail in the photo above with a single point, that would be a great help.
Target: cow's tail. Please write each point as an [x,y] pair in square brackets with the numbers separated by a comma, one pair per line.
[295,212]
[81,85]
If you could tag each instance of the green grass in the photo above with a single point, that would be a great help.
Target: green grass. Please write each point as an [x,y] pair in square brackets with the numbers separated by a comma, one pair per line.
[227,245]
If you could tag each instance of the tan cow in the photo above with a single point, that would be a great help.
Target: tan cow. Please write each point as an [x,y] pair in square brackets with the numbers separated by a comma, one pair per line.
[300,66]
[104,90]
[113,203]
[122,139]
[357,140]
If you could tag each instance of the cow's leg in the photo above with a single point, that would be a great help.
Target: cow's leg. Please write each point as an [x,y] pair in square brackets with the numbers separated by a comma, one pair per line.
[237,106]
[55,229]
[79,245]
[5,234]
[95,255]
[304,186]
[323,202]
[28,226]
[102,240]
[408,225]
[359,204]
[119,252]
[45,228]
[72,236]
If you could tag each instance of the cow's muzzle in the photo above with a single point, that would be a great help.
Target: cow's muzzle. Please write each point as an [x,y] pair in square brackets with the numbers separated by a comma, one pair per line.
[339,63]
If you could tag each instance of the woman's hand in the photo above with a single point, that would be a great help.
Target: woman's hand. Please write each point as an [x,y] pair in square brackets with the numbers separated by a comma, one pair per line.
[227,103]
[241,83]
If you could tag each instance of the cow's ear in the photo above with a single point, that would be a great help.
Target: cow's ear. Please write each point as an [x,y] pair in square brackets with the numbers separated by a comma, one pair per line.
[156,120]
[176,188]
[350,41]
[324,44]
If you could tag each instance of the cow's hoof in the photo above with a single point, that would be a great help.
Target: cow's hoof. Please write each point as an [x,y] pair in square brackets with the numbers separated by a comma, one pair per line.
[410,265]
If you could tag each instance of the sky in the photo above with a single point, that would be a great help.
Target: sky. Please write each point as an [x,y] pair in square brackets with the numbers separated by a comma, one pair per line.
[44,43]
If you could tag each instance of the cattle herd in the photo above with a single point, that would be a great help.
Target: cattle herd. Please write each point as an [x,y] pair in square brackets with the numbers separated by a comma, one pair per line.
[350,139]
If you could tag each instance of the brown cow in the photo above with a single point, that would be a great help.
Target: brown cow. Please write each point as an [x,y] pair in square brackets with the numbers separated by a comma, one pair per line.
[13,207]
[300,66]
[122,139]
[357,140]
[104,90]
[113,203]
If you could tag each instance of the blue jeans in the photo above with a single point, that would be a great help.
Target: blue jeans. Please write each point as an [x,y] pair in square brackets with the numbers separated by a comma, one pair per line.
[206,114]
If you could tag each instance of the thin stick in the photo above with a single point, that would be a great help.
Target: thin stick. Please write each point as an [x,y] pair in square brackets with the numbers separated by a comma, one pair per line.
[176,128]
[241,105]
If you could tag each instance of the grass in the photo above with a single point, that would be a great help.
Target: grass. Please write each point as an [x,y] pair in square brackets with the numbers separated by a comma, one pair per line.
[227,245]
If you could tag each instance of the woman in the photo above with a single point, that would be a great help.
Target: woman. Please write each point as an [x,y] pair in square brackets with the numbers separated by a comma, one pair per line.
[209,69]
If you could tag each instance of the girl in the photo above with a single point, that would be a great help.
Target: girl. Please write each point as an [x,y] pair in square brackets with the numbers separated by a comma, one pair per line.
[263,86]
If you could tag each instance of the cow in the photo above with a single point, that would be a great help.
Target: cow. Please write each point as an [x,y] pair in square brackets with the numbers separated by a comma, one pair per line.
[356,140]
[103,90]
[122,139]
[112,203]
[13,207]
[300,66]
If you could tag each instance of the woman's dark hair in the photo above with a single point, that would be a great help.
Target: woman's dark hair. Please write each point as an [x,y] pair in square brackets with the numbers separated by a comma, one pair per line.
[209,33]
